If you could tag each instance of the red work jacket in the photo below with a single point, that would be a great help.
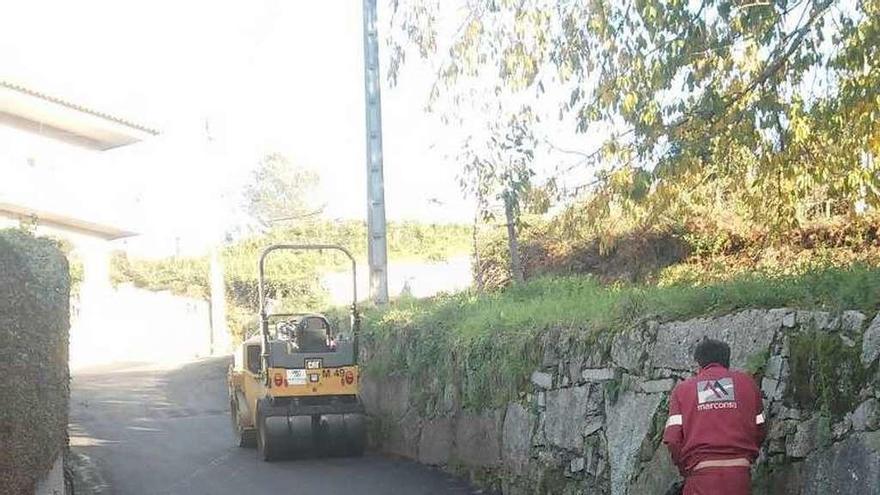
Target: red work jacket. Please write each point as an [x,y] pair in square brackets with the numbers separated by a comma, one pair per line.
[717,414]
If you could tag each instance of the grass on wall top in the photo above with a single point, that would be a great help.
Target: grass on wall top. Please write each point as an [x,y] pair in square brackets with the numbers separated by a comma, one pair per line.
[490,343]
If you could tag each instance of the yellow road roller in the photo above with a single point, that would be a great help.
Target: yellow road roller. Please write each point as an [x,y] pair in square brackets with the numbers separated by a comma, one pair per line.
[293,385]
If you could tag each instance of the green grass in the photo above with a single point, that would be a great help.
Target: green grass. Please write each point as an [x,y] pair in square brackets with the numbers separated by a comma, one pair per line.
[491,343]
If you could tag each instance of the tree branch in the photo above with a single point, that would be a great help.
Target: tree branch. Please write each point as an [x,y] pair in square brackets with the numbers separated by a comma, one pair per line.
[795,38]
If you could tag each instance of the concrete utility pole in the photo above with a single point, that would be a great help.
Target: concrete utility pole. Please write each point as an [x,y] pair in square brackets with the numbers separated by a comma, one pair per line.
[220,342]
[376,236]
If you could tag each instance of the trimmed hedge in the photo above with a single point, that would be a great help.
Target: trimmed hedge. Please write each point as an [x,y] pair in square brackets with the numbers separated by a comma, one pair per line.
[34,377]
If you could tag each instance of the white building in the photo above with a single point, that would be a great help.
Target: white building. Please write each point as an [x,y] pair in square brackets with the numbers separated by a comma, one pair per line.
[45,142]
[46,145]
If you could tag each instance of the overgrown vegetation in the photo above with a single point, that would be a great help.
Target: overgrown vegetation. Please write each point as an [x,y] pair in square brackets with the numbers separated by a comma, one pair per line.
[708,121]
[491,342]
[293,279]
[826,374]
[687,250]
[756,363]
[737,168]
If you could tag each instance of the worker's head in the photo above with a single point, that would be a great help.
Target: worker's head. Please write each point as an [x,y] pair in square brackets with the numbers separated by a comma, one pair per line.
[710,351]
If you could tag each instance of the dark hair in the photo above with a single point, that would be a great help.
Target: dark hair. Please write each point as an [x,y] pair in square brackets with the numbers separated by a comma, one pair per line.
[712,351]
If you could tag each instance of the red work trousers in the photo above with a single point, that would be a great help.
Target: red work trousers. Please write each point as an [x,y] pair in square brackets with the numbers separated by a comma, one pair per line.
[719,481]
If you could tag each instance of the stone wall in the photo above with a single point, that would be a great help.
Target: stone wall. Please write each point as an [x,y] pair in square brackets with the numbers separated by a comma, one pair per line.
[34,380]
[592,419]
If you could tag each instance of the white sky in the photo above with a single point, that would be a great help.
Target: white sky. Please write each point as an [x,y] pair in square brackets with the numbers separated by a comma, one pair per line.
[269,75]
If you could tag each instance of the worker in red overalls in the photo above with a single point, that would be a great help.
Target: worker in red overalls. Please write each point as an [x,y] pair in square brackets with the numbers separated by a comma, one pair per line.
[715,425]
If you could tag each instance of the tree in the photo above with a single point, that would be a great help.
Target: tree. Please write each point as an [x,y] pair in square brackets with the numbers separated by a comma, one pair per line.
[775,99]
[280,192]
[499,166]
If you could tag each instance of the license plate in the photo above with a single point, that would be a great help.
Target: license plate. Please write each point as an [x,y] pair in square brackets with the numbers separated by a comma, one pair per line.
[296,377]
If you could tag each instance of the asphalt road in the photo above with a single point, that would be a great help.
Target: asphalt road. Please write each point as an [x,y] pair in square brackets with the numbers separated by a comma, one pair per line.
[139,429]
